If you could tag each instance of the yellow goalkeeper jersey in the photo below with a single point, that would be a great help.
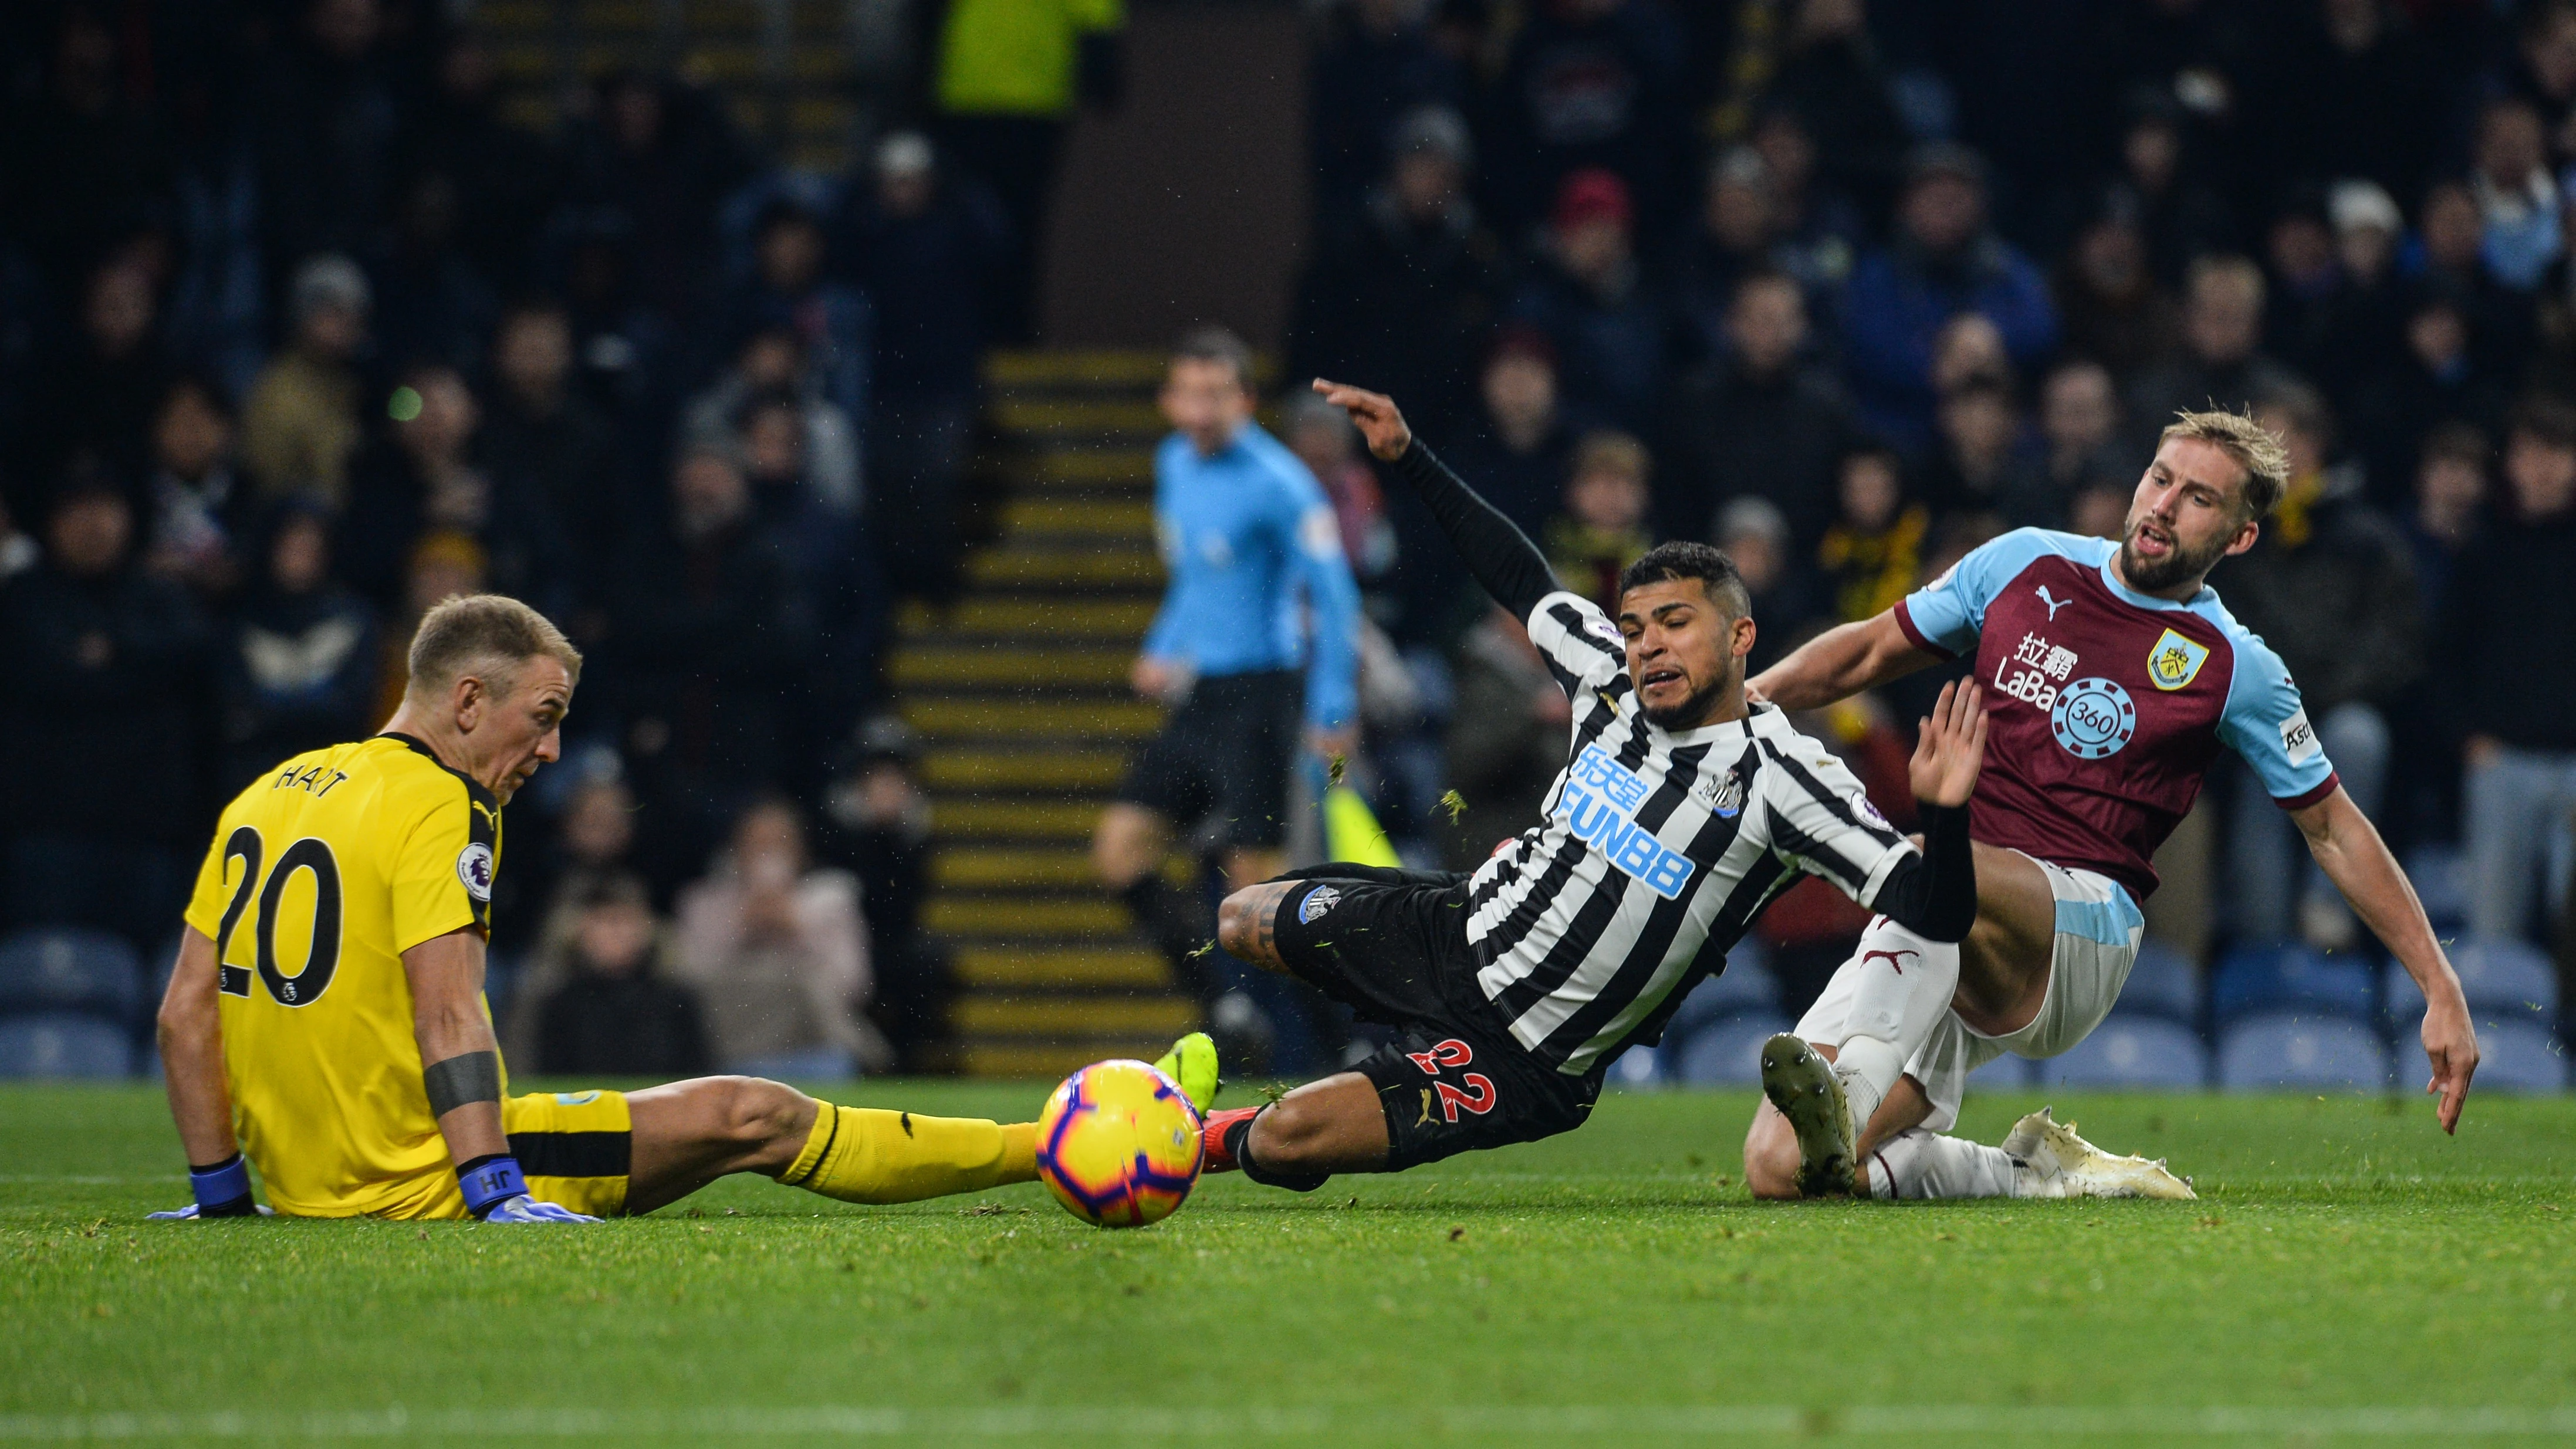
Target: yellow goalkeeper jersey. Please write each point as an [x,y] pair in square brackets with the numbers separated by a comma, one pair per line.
[321,875]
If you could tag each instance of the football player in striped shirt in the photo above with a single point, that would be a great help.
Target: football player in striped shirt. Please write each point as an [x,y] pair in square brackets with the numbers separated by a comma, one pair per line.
[1680,813]
[2116,677]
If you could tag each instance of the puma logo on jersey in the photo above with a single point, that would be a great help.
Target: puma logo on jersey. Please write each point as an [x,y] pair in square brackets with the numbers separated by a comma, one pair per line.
[2052,601]
[1892,963]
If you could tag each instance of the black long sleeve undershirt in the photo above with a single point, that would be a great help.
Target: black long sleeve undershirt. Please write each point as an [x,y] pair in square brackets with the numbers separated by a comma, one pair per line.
[1500,556]
[1934,893]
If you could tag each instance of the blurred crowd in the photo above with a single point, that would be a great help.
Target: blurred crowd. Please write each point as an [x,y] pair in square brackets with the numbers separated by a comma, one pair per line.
[1850,289]
[298,335]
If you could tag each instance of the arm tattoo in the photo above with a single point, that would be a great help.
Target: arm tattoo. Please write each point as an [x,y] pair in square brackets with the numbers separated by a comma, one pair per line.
[461,1080]
[1264,938]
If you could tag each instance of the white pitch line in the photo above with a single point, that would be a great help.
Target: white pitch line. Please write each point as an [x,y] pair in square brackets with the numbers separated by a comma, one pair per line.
[1131,1423]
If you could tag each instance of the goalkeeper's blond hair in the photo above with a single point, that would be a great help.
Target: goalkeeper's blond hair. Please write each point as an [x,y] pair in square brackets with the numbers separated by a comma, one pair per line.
[2253,447]
[490,635]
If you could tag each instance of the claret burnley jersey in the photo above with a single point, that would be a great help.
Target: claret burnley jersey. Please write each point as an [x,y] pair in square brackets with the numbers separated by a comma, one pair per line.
[321,875]
[2107,706]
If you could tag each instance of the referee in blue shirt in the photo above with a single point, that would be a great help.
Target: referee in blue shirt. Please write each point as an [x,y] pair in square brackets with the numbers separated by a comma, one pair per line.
[1257,643]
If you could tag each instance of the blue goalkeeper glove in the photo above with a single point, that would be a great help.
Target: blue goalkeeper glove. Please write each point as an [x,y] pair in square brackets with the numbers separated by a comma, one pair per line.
[497,1192]
[223,1191]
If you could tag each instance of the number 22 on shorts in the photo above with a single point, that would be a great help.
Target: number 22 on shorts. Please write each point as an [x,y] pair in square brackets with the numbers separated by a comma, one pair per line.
[1479,1097]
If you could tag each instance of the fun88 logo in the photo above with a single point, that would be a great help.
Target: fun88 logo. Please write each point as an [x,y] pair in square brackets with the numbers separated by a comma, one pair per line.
[1600,795]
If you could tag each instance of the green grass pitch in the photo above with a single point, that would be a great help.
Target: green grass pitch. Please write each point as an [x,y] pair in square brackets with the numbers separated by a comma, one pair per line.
[2349,1275]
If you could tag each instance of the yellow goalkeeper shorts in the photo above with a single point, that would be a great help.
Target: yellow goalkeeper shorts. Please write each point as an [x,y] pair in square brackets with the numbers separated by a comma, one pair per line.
[573,1146]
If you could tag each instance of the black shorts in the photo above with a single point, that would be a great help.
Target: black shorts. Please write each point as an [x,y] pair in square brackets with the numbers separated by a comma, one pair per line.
[1223,758]
[1456,1079]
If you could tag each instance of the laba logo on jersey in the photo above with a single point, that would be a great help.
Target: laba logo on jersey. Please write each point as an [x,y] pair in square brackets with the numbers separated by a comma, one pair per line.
[474,868]
[1599,794]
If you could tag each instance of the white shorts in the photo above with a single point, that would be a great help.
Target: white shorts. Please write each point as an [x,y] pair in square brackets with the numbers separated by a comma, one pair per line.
[2098,928]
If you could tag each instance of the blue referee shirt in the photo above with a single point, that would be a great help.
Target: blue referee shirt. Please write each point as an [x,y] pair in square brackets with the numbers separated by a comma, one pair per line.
[1247,535]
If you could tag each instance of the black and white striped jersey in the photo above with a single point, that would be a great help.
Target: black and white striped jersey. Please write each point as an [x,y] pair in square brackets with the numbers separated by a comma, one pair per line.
[1657,852]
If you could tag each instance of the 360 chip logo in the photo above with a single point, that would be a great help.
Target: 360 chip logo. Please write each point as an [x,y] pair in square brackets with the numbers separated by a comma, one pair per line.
[2094,719]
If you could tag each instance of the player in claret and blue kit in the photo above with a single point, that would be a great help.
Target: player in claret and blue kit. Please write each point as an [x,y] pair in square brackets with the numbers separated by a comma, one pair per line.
[2116,677]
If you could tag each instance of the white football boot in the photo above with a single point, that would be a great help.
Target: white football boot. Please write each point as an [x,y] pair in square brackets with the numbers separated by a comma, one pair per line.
[1810,1093]
[2054,1162]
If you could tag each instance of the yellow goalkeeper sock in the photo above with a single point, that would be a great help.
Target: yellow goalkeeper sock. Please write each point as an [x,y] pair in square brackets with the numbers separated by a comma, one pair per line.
[863,1154]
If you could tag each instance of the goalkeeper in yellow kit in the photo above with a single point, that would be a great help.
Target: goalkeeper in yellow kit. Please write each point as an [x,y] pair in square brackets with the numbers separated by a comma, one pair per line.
[326,1017]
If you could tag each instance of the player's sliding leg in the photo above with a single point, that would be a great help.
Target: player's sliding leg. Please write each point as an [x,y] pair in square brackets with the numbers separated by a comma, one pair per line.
[1334,1124]
[1902,985]
[1896,987]
[1890,999]
[1776,1161]
[688,1134]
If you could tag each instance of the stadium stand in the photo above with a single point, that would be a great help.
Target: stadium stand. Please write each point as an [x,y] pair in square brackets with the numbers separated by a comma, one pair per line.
[2270,1050]
[57,1044]
[2295,978]
[89,973]
[2288,1016]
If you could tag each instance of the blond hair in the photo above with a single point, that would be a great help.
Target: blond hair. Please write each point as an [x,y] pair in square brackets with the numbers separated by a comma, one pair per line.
[2255,448]
[487,635]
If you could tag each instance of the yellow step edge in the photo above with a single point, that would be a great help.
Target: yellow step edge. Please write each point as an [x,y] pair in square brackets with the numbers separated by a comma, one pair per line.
[1000,665]
[989,916]
[1015,819]
[996,770]
[1092,465]
[1040,1016]
[1034,719]
[1077,415]
[1132,568]
[1077,368]
[1069,515]
[1105,367]
[1122,619]
[989,967]
[989,869]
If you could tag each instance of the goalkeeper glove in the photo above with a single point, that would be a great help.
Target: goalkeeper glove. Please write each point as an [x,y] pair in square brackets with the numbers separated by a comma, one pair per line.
[497,1192]
[223,1191]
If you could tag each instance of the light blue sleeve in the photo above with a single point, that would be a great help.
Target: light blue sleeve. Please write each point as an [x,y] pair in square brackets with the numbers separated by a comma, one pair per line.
[1314,540]
[1162,636]
[2267,726]
[1950,612]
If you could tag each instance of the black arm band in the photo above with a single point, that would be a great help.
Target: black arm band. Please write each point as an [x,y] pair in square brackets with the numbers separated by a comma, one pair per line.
[1500,556]
[465,1078]
[1936,894]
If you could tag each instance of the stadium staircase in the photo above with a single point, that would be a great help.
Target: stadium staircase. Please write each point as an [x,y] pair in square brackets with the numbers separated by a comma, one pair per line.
[1019,692]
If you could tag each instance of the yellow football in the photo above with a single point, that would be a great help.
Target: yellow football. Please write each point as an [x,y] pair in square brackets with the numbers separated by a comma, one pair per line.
[1118,1144]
